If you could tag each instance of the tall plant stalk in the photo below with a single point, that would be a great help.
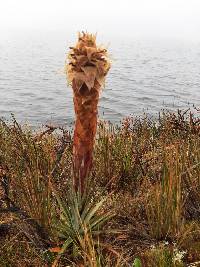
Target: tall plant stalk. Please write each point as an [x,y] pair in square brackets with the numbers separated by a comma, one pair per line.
[86,70]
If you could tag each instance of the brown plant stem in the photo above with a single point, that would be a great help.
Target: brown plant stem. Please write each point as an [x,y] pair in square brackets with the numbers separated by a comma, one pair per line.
[85,105]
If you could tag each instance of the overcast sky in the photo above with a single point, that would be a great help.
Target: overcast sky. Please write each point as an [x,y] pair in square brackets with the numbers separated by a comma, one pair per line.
[165,18]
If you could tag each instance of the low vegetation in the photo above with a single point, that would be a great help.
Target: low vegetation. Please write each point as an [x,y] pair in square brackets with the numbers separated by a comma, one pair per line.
[141,205]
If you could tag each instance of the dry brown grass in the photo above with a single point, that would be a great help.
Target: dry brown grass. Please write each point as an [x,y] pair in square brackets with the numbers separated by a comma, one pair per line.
[148,171]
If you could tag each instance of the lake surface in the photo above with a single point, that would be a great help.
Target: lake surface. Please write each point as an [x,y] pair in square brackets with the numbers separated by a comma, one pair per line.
[146,76]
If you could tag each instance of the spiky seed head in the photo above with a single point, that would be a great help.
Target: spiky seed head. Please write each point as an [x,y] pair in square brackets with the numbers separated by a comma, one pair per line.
[87,62]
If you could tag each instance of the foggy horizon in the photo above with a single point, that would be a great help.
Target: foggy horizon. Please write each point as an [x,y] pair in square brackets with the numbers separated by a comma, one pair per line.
[132,19]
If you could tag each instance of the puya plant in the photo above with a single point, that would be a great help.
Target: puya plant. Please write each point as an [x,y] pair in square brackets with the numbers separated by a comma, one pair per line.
[80,216]
[86,69]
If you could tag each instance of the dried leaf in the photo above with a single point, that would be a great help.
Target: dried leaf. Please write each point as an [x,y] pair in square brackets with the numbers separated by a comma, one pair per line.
[90,52]
[81,60]
[55,249]
[100,80]
[79,84]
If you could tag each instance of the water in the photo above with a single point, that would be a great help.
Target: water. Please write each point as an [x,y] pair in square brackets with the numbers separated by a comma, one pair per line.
[146,76]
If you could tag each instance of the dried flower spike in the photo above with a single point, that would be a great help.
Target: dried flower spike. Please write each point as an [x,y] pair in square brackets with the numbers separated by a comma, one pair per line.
[86,70]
